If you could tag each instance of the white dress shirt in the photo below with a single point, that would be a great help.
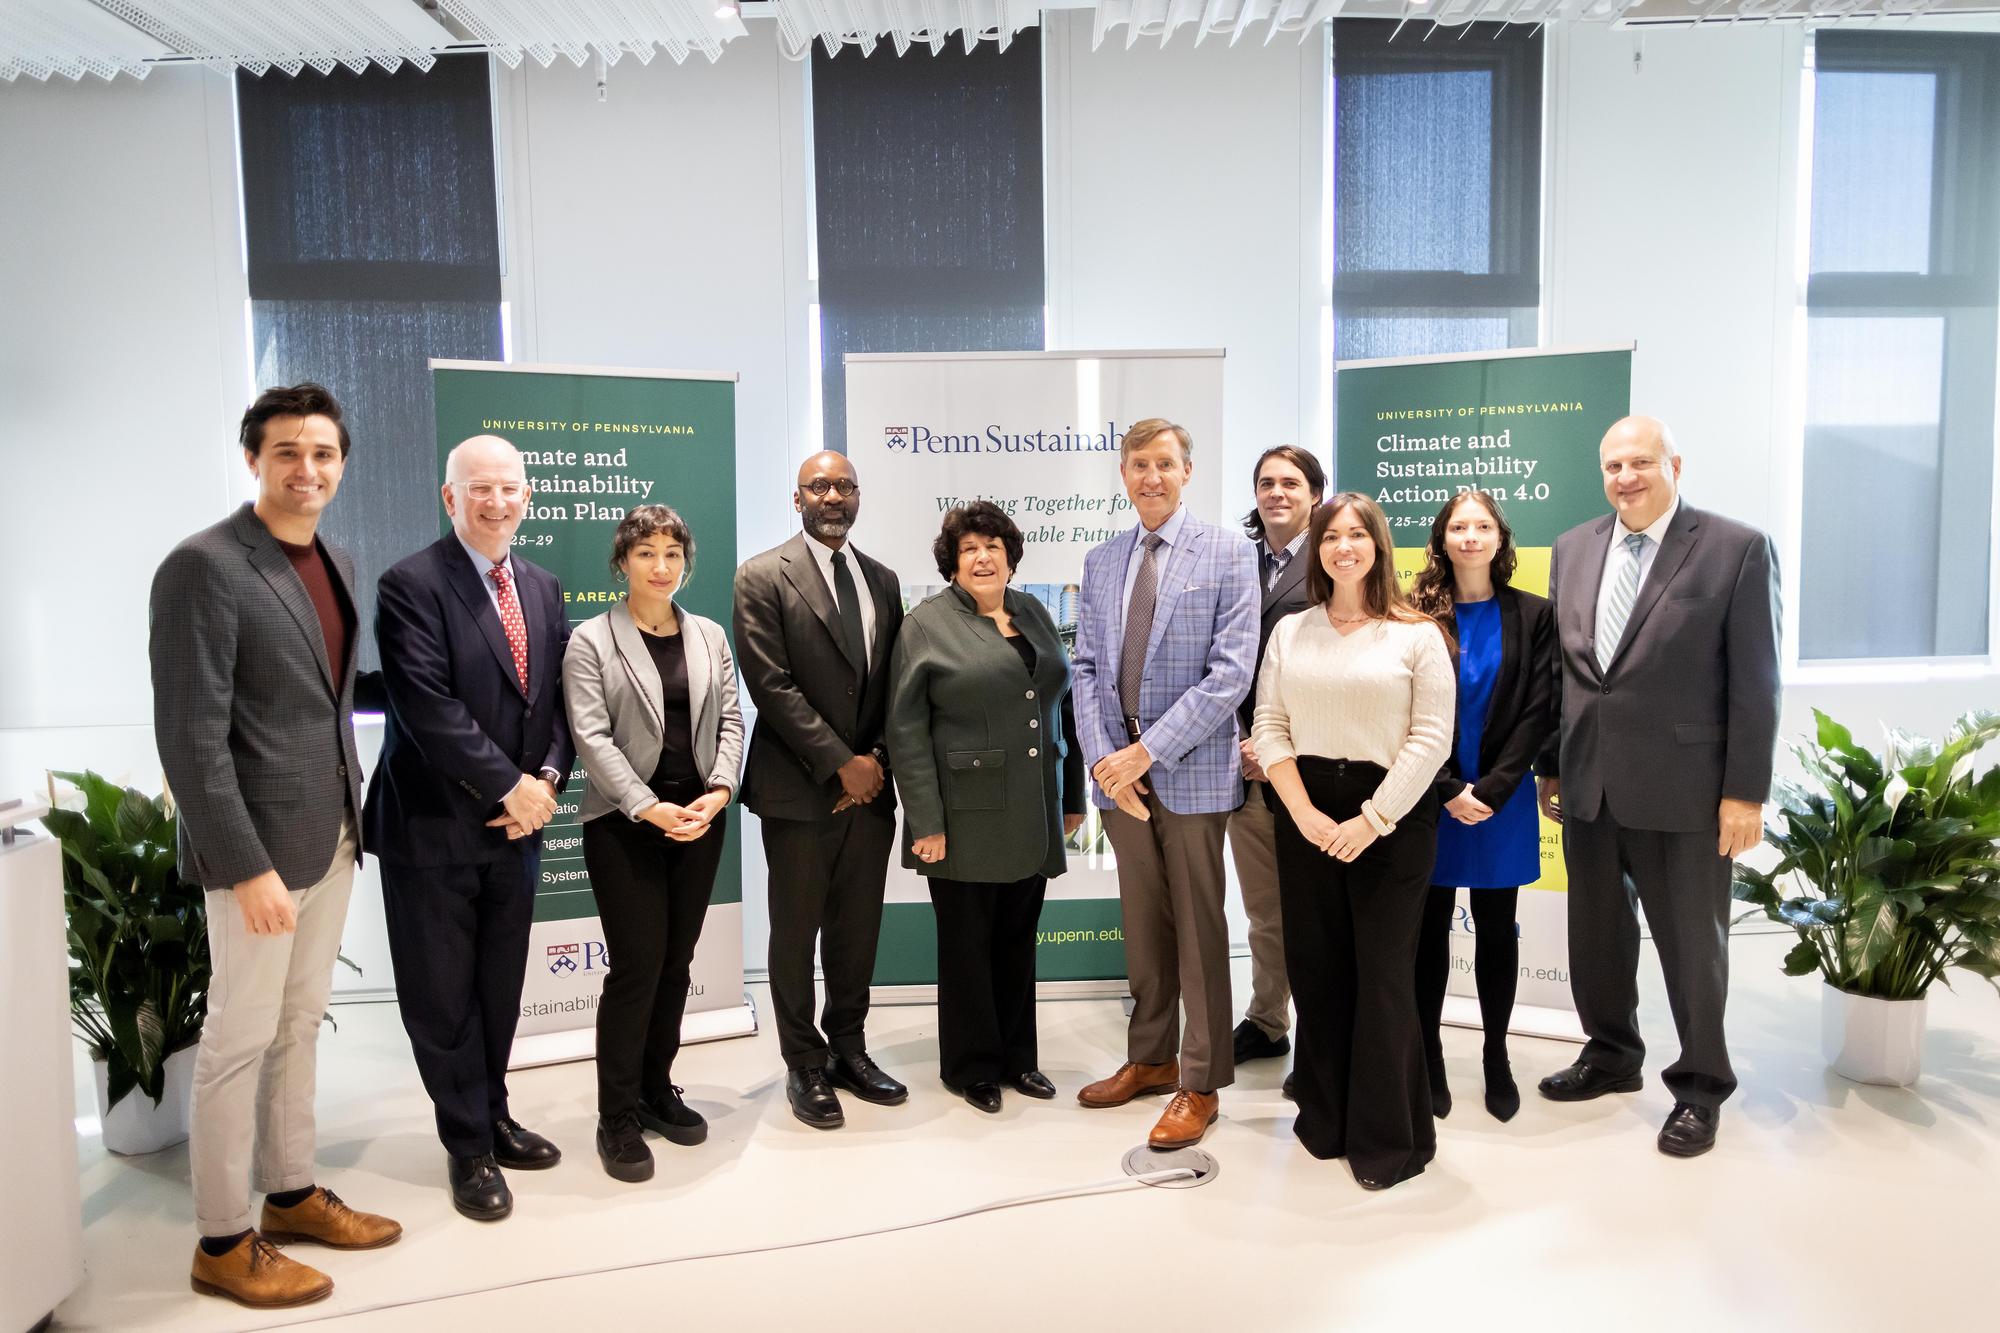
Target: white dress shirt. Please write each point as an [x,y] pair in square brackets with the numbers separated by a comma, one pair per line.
[486,568]
[823,556]
[1654,533]
[1168,532]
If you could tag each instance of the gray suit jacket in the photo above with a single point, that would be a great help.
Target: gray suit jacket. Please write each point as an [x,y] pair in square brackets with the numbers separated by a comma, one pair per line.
[1687,713]
[255,732]
[614,697]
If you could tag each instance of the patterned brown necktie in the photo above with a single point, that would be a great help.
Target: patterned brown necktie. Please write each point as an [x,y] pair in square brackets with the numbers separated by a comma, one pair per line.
[1139,625]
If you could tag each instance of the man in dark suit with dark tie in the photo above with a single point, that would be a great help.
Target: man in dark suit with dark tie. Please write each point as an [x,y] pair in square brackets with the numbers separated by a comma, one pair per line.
[815,623]
[1667,628]
[1289,483]
[476,749]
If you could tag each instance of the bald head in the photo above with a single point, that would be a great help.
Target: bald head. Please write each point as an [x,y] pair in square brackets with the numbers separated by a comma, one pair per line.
[1641,470]
[486,493]
[825,513]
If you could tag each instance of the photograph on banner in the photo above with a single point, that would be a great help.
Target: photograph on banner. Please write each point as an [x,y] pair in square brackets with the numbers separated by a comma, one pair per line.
[1035,433]
[1522,426]
[595,443]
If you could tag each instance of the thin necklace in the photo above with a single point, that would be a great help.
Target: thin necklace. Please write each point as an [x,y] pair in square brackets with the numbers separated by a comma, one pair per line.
[659,629]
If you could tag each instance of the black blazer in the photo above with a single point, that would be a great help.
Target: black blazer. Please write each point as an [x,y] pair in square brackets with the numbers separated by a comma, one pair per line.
[815,708]
[1287,595]
[1522,714]
[460,731]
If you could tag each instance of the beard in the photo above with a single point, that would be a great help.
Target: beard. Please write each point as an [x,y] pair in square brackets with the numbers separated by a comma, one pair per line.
[829,527]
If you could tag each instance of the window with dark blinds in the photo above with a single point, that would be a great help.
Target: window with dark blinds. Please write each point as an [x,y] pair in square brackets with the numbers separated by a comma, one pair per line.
[372,230]
[1897,517]
[928,200]
[1437,147]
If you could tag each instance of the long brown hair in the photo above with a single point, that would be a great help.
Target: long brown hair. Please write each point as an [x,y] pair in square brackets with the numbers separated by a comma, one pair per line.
[1436,588]
[1380,592]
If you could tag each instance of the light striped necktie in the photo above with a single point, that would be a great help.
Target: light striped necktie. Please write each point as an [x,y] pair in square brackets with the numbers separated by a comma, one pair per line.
[1617,607]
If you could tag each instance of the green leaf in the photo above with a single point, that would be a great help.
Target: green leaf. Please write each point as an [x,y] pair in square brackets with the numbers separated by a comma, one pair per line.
[1871,935]
[1803,960]
[139,819]
[1831,735]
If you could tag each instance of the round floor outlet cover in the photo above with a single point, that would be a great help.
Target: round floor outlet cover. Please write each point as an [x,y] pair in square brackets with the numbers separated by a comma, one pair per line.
[1144,1161]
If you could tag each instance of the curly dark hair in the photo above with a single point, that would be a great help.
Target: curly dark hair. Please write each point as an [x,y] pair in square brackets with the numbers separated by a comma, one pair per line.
[1436,585]
[643,521]
[297,400]
[983,518]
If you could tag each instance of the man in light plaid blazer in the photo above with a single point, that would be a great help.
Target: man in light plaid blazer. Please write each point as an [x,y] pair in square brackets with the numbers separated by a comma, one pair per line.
[1165,649]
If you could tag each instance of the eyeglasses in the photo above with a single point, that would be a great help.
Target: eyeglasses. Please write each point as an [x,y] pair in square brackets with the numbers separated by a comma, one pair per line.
[819,486]
[486,490]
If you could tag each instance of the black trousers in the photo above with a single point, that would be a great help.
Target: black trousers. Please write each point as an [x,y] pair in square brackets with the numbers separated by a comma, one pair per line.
[986,978]
[1496,964]
[458,936]
[652,896]
[827,877]
[1351,949]
[1683,883]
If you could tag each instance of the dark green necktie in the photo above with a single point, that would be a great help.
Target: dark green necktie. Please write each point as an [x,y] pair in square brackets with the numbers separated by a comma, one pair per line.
[850,613]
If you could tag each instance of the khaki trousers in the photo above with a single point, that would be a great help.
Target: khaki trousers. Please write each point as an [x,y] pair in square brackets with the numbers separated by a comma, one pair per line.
[252,1119]
[1170,888]
[1253,845]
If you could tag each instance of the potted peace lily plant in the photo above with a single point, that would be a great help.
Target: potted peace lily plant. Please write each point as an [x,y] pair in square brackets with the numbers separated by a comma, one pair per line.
[139,964]
[1889,871]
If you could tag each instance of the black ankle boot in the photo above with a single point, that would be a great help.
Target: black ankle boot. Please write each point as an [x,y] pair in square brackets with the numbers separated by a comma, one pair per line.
[1440,1089]
[1503,1099]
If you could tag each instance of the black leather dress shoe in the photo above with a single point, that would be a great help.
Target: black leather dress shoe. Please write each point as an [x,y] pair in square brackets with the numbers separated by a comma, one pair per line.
[983,1096]
[812,1099]
[1290,1090]
[621,1146]
[673,1119]
[1034,1084]
[1580,1082]
[864,1078]
[478,1189]
[520,1149]
[1253,1043]
[1689,1131]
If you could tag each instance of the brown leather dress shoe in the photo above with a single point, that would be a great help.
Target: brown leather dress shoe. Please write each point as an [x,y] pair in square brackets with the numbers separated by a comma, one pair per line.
[256,1274]
[1185,1120]
[324,1220]
[1131,1081]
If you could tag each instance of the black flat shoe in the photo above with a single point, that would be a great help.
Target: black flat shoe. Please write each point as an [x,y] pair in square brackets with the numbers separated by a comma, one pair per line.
[1503,1096]
[673,1119]
[1034,1084]
[520,1149]
[1580,1082]
[1689,1131]
[1440,1089]
[1289,1091]
[982,1096]
[1253,1043]
[622,1148]
[478,1189]
[864,1078]
[812,1099]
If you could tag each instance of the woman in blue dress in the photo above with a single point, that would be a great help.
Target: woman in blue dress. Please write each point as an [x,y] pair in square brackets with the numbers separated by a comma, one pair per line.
[1489,839]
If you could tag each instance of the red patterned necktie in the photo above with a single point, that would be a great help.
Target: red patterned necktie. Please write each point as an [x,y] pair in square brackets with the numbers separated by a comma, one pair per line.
[510,621]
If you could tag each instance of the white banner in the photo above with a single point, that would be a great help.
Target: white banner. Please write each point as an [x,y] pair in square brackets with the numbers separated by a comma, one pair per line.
[1037,434]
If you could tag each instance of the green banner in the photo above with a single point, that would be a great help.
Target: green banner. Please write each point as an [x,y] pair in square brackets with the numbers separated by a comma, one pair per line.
[597,443]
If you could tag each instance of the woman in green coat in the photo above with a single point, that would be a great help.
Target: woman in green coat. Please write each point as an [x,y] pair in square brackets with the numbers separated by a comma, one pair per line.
[982,741]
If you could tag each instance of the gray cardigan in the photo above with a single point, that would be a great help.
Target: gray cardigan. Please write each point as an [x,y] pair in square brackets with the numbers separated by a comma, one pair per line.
[614,697]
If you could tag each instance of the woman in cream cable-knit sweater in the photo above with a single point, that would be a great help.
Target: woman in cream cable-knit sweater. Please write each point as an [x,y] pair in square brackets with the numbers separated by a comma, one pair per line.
[1354,718]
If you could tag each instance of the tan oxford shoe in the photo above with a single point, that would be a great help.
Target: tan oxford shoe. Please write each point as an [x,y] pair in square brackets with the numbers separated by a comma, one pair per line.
[256,1274]
[1131,1081]
[1185,1120]
[324,1220]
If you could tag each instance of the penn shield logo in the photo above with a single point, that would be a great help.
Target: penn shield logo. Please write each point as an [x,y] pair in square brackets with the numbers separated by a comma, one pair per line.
[897,438]
[562,957]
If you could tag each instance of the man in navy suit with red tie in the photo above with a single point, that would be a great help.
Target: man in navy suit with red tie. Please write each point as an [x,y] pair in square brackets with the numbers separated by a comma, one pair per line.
[477,749]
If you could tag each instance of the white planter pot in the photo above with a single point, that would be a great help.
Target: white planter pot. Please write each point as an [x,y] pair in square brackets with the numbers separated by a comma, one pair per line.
[136,1125]
[1870,1040]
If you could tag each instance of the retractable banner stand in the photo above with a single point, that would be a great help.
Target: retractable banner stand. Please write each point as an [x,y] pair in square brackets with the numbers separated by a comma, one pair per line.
[1037,434]
[596,442]
[1523,426]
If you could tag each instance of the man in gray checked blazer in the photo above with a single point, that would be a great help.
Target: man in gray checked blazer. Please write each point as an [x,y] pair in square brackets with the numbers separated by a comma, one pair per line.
[1667,666]
[252,632]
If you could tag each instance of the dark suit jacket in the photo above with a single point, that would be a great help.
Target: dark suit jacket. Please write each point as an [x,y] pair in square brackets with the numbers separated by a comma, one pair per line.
[1287,595]
[1688,711]
[815,709]
[985,753]
[460,732]
[1521,717]
[254,727]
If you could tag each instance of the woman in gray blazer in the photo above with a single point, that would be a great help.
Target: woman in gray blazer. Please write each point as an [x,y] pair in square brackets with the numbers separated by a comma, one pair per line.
[982,740]
[651,690]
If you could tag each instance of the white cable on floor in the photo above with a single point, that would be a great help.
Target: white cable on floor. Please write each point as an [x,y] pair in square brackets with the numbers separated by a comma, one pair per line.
[1113,1185]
